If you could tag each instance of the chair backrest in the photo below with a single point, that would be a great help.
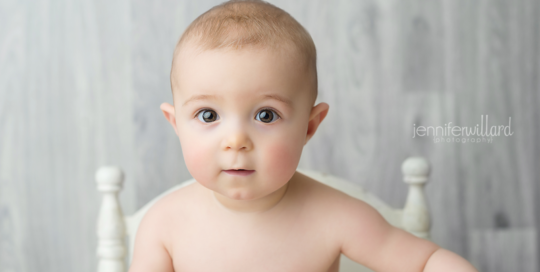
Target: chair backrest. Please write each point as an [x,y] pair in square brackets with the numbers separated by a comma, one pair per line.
[113,226]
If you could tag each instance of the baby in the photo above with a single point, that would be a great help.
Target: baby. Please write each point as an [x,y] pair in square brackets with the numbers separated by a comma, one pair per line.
[244,84]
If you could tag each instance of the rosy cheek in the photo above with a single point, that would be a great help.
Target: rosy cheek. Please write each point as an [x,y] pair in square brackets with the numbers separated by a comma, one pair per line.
[197,160]
[282,160]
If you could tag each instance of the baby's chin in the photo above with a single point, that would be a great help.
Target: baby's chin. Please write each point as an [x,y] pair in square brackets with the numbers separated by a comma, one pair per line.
[244,193]
[241,195]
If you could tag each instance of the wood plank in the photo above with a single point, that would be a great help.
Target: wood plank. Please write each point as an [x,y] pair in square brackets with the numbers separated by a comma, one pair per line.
[504,250]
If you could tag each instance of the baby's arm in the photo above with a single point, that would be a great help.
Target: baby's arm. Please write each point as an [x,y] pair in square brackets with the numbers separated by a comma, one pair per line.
[149,253]
[444,260]
[368,239]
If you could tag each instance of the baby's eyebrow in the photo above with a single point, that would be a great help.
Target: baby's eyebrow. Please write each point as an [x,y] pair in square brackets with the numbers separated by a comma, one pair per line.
[265,97]
[201,97]
[278,98]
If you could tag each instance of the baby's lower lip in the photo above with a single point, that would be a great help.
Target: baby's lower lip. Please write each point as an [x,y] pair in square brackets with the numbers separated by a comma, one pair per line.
[239,172]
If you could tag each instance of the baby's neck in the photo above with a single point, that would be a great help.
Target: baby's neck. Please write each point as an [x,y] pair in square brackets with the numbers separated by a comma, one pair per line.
[256,206]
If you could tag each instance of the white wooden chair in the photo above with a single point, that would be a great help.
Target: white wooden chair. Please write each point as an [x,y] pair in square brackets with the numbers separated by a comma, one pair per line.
[112,226]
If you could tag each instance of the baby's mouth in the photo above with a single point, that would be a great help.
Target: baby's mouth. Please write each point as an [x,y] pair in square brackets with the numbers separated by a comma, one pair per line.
[239,172]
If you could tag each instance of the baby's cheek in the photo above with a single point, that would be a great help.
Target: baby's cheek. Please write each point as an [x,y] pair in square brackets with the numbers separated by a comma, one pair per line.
[283,160]
[197,161]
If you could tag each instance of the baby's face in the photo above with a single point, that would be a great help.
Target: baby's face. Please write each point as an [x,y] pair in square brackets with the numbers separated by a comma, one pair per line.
[242,109]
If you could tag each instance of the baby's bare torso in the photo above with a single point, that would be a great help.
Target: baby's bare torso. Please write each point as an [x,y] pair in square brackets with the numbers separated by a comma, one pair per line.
[295,235]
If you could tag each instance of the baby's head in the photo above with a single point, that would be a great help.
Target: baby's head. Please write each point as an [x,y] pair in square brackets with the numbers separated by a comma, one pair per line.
[244,84]
[248,25]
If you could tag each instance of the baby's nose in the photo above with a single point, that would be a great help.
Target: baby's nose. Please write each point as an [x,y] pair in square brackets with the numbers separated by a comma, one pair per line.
[238,140]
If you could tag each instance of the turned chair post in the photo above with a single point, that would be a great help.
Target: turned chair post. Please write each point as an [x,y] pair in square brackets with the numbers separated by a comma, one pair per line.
[415,214]
[111,229]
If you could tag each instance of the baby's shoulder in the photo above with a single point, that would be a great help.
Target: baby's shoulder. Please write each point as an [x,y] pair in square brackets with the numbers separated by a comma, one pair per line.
[317,192]
[169,206]
[166,210]
[333,203]
[174,201]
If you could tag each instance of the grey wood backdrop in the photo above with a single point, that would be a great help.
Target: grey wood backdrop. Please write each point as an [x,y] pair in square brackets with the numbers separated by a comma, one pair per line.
[81,83]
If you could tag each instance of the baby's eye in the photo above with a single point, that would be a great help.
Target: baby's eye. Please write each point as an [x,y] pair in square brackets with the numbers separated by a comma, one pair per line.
[207,116]
[267,116]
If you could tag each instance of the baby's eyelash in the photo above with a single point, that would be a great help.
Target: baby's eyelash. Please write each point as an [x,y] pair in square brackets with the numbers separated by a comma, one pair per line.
[266,108]
[199,111]
[270,109]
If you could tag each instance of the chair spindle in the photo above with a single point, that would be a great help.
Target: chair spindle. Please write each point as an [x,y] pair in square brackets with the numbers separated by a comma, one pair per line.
[415,214]
[111,229]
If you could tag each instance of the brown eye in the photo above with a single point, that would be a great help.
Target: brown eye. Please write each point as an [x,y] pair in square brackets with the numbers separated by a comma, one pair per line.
[266,116]
[207,116]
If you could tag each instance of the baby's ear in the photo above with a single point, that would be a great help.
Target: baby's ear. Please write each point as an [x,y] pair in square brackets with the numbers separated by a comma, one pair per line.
[168,111]
[317,115]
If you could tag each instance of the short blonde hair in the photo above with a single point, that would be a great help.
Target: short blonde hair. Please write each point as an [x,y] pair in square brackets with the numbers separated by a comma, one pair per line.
[239,23]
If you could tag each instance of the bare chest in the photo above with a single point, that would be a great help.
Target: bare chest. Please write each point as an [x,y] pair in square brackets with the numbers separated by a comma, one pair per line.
[291,242]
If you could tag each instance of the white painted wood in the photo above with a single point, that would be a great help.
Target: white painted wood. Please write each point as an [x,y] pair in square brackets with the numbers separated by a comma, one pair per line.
[416,170]
[415,214]
[111,229]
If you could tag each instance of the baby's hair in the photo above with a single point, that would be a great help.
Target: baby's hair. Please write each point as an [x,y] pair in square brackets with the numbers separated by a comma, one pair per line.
[240,23]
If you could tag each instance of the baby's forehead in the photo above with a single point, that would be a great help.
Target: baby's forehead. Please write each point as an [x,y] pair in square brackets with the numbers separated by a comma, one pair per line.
[192,49]
[191,54]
